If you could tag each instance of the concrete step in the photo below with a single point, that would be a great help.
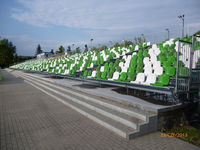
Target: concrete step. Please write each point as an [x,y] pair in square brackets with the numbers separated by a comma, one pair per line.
[133,111]
[126,120]
[116,118]
[114,126]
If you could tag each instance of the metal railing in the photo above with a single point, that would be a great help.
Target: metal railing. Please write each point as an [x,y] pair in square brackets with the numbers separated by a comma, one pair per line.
[187,79]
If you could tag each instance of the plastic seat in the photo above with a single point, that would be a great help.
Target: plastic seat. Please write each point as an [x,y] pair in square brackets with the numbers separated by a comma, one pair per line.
[158,71]
[146,60]
[127,64]
[151,79]
[103,75]
[131,69]
[102,69]
[163,80]
[89,73]
[170,71]
[157,51]
[140,60]
[91,65]
[148,43]
[140,53]
[166,64]
[148,70]
[98,75]
[151,51]
[154,46]
[139,78]
[162,59]
[85,73]
[110,74]
[124,69]
[145,53]
[131,76]
[128,58]
[106,69]
[111,64]
[118,69]
[139,69]
[98,68]
[153,58]
[94,74]
[148,64]
[136,47]
[121,64]
[172,59]
[115,76]
[123,77]
[156,64]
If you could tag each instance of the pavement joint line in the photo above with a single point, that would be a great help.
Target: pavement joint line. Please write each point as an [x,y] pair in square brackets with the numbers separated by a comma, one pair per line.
[106,125]
[107,114]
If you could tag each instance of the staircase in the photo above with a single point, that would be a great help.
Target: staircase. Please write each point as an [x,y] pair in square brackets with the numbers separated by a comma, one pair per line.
[126,121]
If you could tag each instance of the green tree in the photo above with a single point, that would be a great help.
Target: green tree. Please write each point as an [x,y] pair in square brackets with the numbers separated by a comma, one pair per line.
[52,51]
[116,44]
[197,33]
[38,50]
[78,50]
[86,48]
[103,47]
[94,48]
[7,53]
[126,43]
[61,49]
[139,40]
[68,50]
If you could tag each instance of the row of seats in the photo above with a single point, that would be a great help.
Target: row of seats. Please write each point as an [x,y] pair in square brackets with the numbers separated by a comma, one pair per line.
[138,64]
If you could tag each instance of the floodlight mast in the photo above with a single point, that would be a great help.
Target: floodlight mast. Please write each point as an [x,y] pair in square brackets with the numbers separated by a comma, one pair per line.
[91,42]
[167,33]
[182,18]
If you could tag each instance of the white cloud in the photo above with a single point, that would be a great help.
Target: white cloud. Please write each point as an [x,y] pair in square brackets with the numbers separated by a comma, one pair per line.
[91,14]
[104,20]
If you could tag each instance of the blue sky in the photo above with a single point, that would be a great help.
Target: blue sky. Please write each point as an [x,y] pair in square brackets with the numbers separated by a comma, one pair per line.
[65,22]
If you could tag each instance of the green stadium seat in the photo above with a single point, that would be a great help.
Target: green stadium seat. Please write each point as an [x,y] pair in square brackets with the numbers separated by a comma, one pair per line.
[122,77]
[170,71]
[103,75]
[131,76]
[163,80]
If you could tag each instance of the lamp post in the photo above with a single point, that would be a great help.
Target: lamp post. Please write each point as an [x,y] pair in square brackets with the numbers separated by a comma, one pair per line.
[167,33]
[182,18]
[91,42]
[72,47]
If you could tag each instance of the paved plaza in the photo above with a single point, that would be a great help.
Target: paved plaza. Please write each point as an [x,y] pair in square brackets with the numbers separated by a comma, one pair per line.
[30,119]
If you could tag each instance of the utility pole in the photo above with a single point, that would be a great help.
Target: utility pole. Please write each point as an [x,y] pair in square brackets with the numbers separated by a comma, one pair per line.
[182,18]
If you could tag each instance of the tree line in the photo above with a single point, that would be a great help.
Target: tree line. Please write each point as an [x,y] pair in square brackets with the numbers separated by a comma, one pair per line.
[61,49]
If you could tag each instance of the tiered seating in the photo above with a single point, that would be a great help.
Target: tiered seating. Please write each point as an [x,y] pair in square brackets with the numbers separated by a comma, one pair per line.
[138,64]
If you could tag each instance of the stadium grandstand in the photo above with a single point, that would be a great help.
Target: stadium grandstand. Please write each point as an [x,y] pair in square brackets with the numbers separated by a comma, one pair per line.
[169,67]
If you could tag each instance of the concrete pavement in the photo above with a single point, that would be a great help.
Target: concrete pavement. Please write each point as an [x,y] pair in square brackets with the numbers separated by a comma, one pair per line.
[30,119]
